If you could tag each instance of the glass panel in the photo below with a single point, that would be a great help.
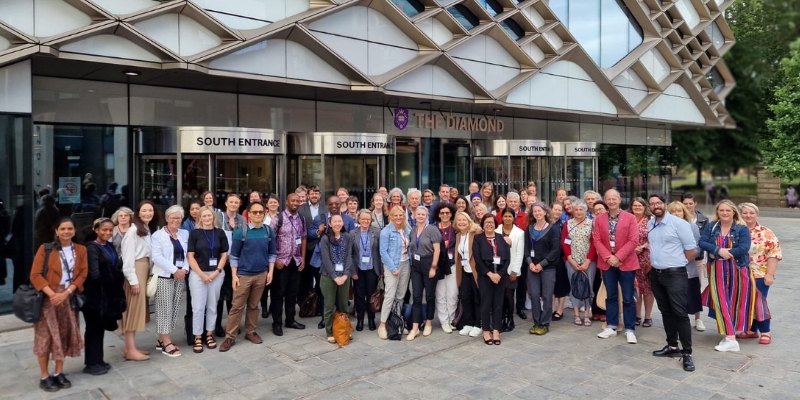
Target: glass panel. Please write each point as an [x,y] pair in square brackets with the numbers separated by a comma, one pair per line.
[491,6]
[715,79]
[464,16]
[309,171]
[456,166]
[162,106]
[524,170]
[242,176]
[79,101]
[557,167]
[195,180]
[158,181]
[409,7]
[407,159]
[492,169]
[580,176]
[513,29]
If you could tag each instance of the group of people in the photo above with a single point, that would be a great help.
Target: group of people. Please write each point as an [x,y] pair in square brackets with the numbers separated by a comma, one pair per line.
[471,261]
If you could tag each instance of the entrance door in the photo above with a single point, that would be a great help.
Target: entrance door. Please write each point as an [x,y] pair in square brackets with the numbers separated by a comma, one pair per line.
[492,169]
[361,176]
[242,175]
[158,181]
[456,164]
[523,170]
[576,175]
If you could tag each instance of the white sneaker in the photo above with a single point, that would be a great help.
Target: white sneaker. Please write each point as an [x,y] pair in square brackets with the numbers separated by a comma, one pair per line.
[382,333]
[698,324]
[465,331]
[446,327]
[607,333]
[631,337]
[528,304]
[476,331]
[727,345]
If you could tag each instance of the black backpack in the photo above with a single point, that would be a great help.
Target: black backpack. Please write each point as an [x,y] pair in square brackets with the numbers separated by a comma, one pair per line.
[581,287]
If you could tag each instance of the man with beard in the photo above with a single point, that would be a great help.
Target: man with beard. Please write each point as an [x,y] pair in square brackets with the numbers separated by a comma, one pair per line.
[309,210]
[288,266]
[672,248]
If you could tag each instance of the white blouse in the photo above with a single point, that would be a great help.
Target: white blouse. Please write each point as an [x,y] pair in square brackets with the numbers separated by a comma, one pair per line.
[463,252]
[517,249]
[134,247]
[164,253]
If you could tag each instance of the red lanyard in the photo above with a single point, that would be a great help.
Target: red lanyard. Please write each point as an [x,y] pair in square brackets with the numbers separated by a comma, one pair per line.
[492,243]
[447,233]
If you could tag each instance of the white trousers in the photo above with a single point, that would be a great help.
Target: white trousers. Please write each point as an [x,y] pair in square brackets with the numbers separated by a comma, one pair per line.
[447,297]
[204,302]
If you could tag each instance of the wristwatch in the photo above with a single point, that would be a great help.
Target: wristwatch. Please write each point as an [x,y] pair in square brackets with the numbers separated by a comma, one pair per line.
[219,270]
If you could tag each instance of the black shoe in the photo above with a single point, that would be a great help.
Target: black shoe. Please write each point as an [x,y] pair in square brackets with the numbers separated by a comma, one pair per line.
[277,330]
[219,332]
[295,325]
[62,381]
[264,313]
[96,369]
[105,365]
[48,384]
[503,326]
[360,325]
[372,325]
[321,324]
[510,327]
[522,314]
[667,352]
[688,364]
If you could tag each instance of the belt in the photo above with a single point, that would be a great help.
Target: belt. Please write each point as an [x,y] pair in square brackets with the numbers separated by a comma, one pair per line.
[669,270]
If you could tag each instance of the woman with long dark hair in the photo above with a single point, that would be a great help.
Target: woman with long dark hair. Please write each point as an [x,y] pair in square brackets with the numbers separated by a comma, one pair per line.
[492,256]
[336,253]
[446,286]
[190,222]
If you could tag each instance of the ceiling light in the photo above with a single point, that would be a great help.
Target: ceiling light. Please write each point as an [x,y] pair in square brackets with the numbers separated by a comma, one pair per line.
[131,73]
[498,109]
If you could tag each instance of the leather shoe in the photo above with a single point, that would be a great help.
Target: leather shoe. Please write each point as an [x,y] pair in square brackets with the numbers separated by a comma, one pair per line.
[295,325]
[688,364]
[95,369]
[253,337]
[62,381]
[360,325]
[277,330]
[226,345]
[264,313]
[522,314]
[321,324]
[510,327]
[667,352]
[372,325]
[219,332]
[48,384]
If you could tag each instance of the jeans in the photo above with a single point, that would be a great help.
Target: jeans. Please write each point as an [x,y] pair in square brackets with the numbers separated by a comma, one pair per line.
[335,295]
[249,292]
[364,287]
[446,297]
[542,285]
[396,287]
[671,291]
[419,283]
[285,286]
[204,302]
[611,278]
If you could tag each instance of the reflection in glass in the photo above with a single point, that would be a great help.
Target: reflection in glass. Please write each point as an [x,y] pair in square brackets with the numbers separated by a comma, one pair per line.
[513,29]
[464,16]
[715,34]
[491,6]
[715,79]
[409,7]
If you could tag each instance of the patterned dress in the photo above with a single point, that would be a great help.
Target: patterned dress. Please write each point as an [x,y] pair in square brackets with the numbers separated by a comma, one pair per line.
[763,246]
[642,281]
[730,295]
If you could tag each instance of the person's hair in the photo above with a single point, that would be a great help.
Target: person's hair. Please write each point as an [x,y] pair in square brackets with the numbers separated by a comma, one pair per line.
[561,189]
[591,193]
[64,220]
[365,211]
[410,191]
[444,185]
[249,206]
[329,229]
[206,193]
[270,197]
[352,198]
[496,199]
[656,195]
[199,224]
[91,188]
[191,202]
[555,203]
[737,218]
[100,221]
[121,210]
[143,230]
[174,209]
[341,189]
[678,206]
[530,183]
[232,195]
[439,207]
[543,206]
[507,210]
[489,200]
[465,215]
[688,195]
[599,203]
[384,209]
[260,196]
[433,195]
[485,209]
[487,216]
[313,188]
[301,189]
[401,211]
[398,191]
[748,205]
[511,195]
[578,203]
[423,208]
[466,200]
[647,212]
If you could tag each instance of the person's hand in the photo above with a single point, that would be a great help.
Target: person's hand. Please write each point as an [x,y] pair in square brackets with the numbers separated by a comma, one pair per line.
[496,278]
[639,249]
[135,289]
[235,282]
[613,261]
[396,272]
[769,280]
[269,279]
[179,274]
[512,277]
[725,254]
[320,229]
[431,273]
[301,266]
[355,277]
[585,265]
[508,240]
[278,264]
[340,280]
[206,278]
[58,298]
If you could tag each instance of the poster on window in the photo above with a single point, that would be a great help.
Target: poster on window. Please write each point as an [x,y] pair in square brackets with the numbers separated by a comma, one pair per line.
[69,190]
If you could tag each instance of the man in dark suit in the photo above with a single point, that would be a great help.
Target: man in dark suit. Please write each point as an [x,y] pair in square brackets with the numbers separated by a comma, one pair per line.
[308,211]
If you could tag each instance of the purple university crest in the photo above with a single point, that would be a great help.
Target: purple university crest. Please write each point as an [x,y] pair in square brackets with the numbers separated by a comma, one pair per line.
[401,118]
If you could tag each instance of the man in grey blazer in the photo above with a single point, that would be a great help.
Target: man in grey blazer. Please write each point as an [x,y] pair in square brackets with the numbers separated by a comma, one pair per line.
[308,211]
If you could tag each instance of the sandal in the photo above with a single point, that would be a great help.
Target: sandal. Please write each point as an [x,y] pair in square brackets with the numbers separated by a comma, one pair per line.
[198,344]
[766,338]
[159,346]
[638,321]
[578,321]
[210,342]
[331,339]
[587,322]
[648,322]
[175,352]
[557,316]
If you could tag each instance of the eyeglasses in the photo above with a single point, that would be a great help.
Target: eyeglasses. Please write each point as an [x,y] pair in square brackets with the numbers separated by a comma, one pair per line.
[257,212]
[444,213]
[656,204]
[174,218]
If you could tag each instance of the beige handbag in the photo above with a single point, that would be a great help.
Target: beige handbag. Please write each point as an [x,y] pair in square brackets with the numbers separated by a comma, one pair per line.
[152,283]
[600,298]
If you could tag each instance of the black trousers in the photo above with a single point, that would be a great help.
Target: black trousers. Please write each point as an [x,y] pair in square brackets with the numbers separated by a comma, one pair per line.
[419,283]
[307,276]
[492,301]
[285,285]
[470,301]
[364,287]
[93,337]
[522,289]
[671,291]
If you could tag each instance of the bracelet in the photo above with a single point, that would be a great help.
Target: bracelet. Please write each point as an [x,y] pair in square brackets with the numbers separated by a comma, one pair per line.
[69,290]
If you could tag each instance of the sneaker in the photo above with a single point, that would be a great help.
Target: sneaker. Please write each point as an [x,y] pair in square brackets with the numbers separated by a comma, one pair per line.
[382,334]
[631,337]
[534,330]
[698,324]
[476,331]
[447,328]
[48,384]
[727,345]
[607,333]
[464,332]
[544,329]
[528,304]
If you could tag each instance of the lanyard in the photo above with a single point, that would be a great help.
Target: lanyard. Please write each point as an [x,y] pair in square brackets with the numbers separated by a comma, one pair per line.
[64,260]
[378,220]
[447,233]
[419,235]
[462,248]
[536,237]
[655,225]
[337,250]
[364,244]
[492,243]
[175,241]
[405,241]
[212,240]
[294,228]
[612,227]
[569,231]
[111,253]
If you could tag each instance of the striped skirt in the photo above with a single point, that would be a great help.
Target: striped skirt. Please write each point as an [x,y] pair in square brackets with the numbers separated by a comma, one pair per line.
[730,296]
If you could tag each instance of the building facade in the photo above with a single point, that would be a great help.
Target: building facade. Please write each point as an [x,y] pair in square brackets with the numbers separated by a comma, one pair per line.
[167,99]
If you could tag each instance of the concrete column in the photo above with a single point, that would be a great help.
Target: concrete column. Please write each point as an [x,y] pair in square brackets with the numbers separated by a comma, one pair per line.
[768,188]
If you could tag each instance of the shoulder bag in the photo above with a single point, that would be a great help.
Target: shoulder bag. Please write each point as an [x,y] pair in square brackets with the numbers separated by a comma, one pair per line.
[308,308]
[27,300]
[341,328]
[376,300]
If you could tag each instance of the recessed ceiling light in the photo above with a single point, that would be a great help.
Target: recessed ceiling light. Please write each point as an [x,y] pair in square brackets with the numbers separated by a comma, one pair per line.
[131,73]
[498,109]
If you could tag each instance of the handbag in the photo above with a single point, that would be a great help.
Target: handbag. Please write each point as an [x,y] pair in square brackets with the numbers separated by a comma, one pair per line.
[27,300]
[459,314]
[376,300]
[395,324]
[76,300]
[308,308]
[581,289]
[152,282]
[341,328]
[601,296]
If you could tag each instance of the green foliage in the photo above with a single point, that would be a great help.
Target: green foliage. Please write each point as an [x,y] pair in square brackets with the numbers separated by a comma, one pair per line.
[782,148]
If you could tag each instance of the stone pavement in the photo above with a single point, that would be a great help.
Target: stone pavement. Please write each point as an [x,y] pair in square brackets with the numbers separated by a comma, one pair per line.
[569,362]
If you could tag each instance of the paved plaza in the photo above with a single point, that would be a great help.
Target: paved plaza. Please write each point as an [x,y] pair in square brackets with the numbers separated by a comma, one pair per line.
[569,362]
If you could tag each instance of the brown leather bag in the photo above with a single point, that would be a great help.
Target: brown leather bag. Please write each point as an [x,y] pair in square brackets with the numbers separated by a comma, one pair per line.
[341,328]
[376,300]
[308,308]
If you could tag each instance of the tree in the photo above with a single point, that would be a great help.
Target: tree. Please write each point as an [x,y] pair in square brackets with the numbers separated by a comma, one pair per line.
[782,149]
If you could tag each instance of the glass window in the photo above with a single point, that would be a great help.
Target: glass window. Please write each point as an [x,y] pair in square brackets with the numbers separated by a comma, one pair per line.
[715,34]
[491,6]
[79,101]
[715,79]
[464,16]
[163,106]
[513,29]
[410,7]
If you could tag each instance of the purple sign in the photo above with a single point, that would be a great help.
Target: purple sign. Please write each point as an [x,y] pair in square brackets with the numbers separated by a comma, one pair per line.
[401,118]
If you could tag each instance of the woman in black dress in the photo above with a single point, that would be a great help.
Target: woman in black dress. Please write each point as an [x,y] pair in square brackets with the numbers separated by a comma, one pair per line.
[562,288]
[492,256]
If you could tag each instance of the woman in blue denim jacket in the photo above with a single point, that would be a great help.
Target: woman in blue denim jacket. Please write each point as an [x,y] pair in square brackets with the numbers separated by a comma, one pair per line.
[729,296]
[396,267]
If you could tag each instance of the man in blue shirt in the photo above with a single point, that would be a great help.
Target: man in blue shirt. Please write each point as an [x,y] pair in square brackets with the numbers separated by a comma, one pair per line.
[672,248]
[252,256]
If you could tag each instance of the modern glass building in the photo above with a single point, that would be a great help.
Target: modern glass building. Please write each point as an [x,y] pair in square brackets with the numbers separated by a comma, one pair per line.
[167,99]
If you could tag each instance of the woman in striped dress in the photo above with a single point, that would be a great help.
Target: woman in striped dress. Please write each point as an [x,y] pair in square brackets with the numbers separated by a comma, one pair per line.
[730,295]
